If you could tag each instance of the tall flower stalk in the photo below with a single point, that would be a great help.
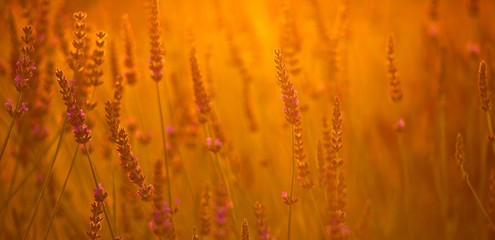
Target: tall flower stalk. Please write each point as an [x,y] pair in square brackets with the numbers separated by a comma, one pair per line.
[485,101]
[156,68]
[396,95]
[48,176]
[460,159]
[96,210]
[25,68]
[77,118]
[214,139]
[292,115]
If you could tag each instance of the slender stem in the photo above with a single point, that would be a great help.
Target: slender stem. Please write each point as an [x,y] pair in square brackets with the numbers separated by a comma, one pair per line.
[490,130]
[337,180]
[7,138]
[480,204]
[96,184]
[443,151]
[93,172]
[317,210]
[405,186]
[18,188]
[11,126]
[164,140]
[229,193]
[93,94]
[404,164]
[59,200]
[291,183]
[405,168]
[219,168]
[114,192]
[165,154]
[214,166]
[47,179]
[337,173]
[11,185]
[442,179]
[181,157]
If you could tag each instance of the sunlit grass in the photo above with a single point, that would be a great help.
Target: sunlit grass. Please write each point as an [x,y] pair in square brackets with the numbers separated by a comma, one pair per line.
[347,135]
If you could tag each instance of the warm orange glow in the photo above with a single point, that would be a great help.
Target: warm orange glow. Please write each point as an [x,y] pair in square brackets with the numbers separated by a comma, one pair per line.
[291,119]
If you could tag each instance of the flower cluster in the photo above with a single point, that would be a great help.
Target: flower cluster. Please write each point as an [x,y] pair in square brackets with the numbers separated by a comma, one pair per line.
[223,210]
[289,94]
[97,209]
[288,199]
[25,67]
[245,230]
[157,52]
[130,164]
[262,222]
[336,126]
[483,88]
[303,173]
[94,71]
[75,115]
[202,100]
[131,73]
[162,222]
[393,73]
[15,113]
[76,56]
[213,145]
[204,228]
[112,110]
[336,138]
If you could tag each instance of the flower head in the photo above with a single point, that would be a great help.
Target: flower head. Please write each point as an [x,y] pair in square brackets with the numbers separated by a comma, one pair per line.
[289,94]
[483,87]
[288,199]
[213,145]
[99,193]
[18,112]
[75,115]
[8,105]
[97,208]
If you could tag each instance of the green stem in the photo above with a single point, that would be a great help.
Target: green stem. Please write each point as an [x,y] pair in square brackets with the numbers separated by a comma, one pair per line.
[337,181]
[47,179]
[165,154]
[11,126]
[11,185]
[480,204]
[404,165]
[218,166]
[18,188]
[443,151]
[405,186]
[7,138]
[59,199]
[291,184]
[96,184]
[442,180]
[164,141]
[93,172]
[337,172]
[317,211]
[490,130]
[114,192]
[229,193]
[405,169]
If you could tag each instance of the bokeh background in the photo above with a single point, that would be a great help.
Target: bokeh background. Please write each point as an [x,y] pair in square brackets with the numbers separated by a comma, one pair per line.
[339,49]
